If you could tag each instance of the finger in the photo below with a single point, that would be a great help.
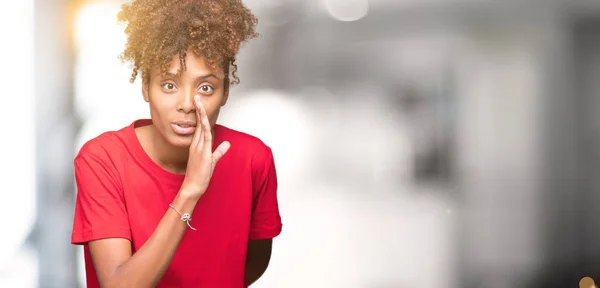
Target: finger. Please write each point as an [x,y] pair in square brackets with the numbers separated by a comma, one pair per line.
[206,126]
[198,132]
[206,141]
[220,151]
[198,135]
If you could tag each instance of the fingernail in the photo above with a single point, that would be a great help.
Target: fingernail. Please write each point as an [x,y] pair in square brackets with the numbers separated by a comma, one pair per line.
[197,98]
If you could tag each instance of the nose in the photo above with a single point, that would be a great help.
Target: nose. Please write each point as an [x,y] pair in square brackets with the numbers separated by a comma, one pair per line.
[186,103]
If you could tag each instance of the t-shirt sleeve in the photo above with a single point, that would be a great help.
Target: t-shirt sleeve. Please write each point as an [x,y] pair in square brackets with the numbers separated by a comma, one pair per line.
[266,221]
[99,207]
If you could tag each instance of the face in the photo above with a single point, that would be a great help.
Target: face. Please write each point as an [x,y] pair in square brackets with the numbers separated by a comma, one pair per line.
[171,97]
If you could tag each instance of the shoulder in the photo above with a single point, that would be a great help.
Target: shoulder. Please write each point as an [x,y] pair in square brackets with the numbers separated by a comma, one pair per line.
[249,150]
[107,146]
[251,145]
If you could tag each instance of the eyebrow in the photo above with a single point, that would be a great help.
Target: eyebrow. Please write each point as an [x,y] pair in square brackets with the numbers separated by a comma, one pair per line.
[203,77]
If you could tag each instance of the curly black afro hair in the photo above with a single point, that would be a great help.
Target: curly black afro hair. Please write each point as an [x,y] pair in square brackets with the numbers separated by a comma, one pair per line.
[158,30]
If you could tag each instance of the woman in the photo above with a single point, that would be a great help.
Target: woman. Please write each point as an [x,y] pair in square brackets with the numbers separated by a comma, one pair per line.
[178,200]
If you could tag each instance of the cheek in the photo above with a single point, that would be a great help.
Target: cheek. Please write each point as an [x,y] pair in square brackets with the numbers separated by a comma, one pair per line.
[159,111]
[156,107]
[160,102]
[213,113]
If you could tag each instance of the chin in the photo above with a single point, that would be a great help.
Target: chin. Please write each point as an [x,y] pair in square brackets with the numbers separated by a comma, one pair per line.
[179,141]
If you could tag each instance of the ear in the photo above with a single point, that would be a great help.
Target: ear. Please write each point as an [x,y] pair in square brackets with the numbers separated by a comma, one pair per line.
[145,84]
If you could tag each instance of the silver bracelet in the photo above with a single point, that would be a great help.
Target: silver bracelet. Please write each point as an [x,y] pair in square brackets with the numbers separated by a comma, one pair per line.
[186,217]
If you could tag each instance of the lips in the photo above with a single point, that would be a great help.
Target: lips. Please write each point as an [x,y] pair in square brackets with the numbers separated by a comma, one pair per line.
[185,123]
[184,127]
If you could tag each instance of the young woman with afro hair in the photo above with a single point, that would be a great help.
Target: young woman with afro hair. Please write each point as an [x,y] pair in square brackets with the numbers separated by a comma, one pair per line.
[178,200]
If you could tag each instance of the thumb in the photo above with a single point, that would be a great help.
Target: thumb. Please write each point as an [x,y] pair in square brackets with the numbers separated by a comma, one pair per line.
[220,151]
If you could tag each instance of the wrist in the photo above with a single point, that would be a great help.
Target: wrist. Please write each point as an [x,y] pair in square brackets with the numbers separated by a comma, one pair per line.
[185,197]
[184,205]
[188,194]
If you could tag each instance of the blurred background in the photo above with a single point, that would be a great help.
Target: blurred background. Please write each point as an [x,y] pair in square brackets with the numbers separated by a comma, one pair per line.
[419,143]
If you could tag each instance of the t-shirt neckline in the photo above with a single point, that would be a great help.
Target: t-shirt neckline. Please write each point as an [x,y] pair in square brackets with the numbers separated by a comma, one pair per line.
[145,159]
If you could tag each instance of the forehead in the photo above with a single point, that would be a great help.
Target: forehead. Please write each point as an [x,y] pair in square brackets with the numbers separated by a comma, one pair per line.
[195,66]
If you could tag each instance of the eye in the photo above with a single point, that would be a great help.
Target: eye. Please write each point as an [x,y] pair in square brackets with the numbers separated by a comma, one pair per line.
[206,89]
[168,86]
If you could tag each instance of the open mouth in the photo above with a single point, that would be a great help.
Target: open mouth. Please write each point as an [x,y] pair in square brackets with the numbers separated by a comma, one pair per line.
[182,128]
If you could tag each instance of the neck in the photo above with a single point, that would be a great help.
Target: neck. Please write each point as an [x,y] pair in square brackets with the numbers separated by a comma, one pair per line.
[170,158]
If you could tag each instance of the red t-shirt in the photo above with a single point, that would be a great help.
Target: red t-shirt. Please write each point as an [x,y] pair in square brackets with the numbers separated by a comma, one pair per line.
[122,193]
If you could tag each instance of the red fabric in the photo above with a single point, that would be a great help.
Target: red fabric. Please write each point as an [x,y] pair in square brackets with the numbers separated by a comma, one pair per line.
[122,193]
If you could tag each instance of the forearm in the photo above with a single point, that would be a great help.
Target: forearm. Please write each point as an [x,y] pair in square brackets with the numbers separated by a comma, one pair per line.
[255,268]
[257,259]
[146,267]
[253,274]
